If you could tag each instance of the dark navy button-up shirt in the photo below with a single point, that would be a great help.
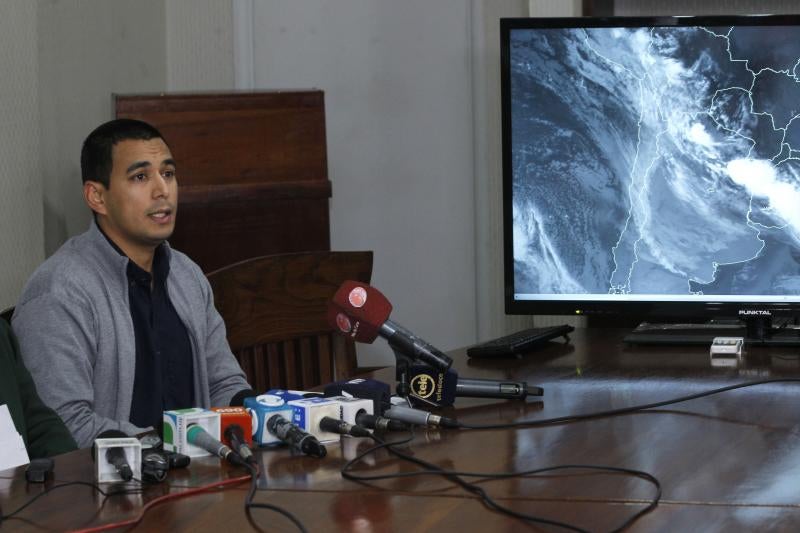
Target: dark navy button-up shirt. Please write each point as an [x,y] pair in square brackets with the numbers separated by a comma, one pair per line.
[164,377]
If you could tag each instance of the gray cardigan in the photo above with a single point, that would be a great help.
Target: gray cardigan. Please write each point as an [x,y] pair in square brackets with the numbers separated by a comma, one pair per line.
[76,335]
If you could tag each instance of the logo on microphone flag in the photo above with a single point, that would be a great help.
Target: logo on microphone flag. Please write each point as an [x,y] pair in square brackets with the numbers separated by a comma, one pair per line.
[423,386]
[357,297]
[176,427]
[343,322]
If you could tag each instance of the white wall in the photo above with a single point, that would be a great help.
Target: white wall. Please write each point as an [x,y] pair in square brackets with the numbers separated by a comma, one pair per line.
[21,234]
[199,40]
[555,8]
[88,49]
[61,61]
[413,123]
[412,98]
[398,98]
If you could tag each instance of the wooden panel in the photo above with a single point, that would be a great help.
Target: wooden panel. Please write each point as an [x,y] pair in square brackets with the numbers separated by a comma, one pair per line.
[291,372]
[252,169]
[273,369]
[218,232]
[326,374]
[258,366]
[308,362]
[343,351]
[598,8]
[280,303]
[269,299]
[238,137]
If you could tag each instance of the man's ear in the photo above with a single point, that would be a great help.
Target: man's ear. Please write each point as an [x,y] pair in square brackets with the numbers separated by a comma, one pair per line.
[94,193]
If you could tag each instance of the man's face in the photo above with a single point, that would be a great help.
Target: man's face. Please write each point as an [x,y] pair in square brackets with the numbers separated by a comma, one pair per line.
[141,202]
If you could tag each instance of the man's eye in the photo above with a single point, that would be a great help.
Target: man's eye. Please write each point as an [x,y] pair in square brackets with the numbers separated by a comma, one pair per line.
[167,174]
[139,177]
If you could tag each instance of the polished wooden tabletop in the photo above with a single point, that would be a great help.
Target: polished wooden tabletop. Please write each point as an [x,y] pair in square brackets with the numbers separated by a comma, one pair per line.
[727,462]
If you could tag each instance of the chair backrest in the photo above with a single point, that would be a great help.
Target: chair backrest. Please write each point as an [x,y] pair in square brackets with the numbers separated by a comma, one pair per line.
[6,314]
[275,312]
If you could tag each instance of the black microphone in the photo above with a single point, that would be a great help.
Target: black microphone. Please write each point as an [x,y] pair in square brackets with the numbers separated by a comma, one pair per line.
[295,437]
[239,398]
[115,455]
[419,417]
[433,387]
[38,471]
[235,435]
[492,388]
[202,439]
[363,388]
[362,313]
[341,427]
[405,342]
[177,460]
[379,423]
[154,465]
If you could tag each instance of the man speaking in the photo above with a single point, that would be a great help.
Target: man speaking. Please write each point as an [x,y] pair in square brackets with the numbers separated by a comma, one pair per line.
[116,326]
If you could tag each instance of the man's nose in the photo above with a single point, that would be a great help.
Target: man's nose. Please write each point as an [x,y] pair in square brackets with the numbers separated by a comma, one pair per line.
[160,187]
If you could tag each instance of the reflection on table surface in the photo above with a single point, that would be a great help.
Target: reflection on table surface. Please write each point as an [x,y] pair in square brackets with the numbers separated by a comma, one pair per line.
[727,461]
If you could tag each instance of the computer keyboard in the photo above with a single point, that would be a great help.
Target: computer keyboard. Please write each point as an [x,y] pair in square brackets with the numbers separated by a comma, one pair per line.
[520,342]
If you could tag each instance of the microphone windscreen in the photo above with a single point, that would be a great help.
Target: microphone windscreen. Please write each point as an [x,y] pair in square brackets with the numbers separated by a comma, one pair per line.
[198,436]
[112,434]
[432,386]
[108,434]
[358,311]
[364,388]
[239,398]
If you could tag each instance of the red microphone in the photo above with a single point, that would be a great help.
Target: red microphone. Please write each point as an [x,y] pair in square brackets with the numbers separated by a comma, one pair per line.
[362,313]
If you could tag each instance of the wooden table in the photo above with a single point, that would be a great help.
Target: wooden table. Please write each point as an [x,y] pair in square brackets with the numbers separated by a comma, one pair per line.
[729,462]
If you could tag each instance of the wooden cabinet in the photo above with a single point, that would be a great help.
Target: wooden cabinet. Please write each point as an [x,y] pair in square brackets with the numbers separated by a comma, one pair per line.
[252,170]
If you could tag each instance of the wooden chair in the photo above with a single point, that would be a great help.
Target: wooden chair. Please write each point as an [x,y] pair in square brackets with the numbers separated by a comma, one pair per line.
[275,312]
[6,314]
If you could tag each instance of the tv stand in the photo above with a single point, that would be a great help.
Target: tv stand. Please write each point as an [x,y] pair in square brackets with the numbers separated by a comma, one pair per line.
[757,331]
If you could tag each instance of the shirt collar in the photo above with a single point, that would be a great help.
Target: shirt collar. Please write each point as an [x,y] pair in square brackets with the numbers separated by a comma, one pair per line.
[138,274]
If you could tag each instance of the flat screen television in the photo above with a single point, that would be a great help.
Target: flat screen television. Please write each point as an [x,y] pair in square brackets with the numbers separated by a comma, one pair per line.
[651,168]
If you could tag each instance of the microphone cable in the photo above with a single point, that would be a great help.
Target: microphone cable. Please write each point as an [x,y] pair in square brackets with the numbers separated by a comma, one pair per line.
[621,411]
[106,495]
[161,499]
[252,476]
[455,477]
[433,469]
[249,504]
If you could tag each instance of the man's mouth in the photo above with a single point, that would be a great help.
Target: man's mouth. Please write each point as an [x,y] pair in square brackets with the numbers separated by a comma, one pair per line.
[162,215]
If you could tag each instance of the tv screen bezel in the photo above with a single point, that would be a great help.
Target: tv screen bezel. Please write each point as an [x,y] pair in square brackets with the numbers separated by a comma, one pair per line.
[650,309]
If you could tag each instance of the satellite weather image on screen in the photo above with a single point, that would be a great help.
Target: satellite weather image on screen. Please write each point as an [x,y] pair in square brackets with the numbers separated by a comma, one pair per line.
[660,161]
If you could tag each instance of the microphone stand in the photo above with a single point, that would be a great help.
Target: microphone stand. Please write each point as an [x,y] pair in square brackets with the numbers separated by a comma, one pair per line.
[403,388]
[479,388]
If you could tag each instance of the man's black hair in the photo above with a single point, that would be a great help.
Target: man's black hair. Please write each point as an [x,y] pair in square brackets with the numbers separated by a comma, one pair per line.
[96,154]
